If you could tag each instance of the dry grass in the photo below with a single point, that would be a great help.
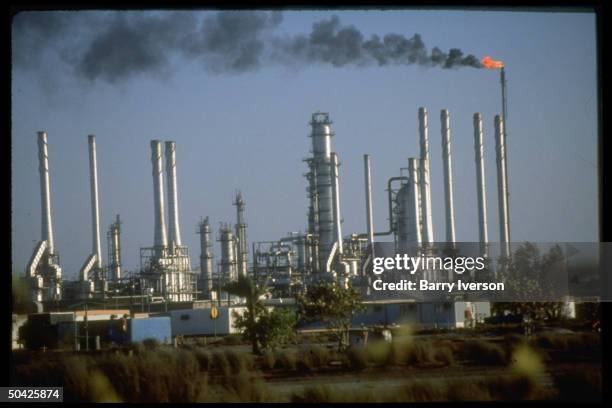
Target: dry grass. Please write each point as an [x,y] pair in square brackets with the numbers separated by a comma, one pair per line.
[513,388]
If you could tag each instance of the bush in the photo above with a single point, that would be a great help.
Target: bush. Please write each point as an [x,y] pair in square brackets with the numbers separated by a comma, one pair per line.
[286,360]
[159,376]
[244,387]
[484,352]
[219,362]
[579,386]
[239,361]
[150,344]
[203,359]
[357,358]
[268,360]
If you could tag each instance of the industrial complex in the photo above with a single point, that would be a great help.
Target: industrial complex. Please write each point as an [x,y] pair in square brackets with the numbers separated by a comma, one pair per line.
[167,285]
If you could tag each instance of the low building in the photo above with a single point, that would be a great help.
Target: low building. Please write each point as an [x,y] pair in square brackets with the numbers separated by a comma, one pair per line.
[198,322]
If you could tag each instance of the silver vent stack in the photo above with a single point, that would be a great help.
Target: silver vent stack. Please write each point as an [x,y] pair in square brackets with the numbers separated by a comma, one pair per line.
[480,183]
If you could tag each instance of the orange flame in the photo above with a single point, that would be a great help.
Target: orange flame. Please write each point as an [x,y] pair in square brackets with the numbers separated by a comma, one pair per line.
[491,63]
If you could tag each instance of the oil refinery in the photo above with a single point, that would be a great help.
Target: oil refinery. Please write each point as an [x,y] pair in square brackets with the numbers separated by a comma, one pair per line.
[166,279]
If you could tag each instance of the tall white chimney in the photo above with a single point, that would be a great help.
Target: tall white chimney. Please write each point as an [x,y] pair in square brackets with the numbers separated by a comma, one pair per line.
[502,187]
[448,176]
[174,232]
[95,211]
[160,239]
[45,192]
[424,179]
[480,183]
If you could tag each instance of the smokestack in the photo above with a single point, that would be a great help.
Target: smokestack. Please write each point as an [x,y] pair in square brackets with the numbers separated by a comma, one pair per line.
[448,176]
[160,239]
[502,187]
[45,192]
[480,183]
[427,222]
[502,78]
[174,232]
[368,197]
[95,211]
[335,164]
[414,203]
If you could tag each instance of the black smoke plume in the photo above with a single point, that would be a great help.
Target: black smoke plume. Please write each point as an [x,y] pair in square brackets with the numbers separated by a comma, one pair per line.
[115,46]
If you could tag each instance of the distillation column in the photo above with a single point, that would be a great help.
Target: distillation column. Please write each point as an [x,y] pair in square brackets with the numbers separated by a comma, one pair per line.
[241,226]
[321,149]
[206,257]
[114,249]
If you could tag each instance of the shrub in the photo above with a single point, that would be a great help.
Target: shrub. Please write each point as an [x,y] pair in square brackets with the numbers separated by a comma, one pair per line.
[268,360]
[357,358]
[244,387]
[203,359]
[484,352]
[239,361]
[579,386]
[150,344]
[286,360]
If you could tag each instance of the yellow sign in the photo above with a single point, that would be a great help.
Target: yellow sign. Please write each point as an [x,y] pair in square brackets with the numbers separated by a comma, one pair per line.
[214,312]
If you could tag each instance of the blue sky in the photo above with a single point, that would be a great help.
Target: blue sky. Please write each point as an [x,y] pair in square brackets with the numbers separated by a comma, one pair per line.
[249,130]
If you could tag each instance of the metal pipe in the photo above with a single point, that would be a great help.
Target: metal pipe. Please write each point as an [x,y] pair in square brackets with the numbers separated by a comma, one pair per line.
[502,187]
[174,231]
[448,176]
[424,178]
[480,183]
[45,192]
[95,210]
[160,238]
[335,164]
[390,205]
[368,198]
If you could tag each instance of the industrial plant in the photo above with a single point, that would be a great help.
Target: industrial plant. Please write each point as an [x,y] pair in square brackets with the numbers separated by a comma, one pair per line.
[166,281]
[288,264]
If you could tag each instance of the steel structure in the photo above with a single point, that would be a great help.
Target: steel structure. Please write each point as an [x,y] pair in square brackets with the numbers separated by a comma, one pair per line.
[113,237]
[242,253]
[206,258]
[43,270]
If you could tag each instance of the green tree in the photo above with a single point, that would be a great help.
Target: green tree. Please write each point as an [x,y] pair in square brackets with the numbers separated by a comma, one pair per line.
[333,305]
[531,275]
[262,328]
[275,328]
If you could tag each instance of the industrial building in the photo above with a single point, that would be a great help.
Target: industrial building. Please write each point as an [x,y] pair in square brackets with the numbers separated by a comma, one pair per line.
[167,283]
